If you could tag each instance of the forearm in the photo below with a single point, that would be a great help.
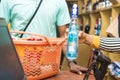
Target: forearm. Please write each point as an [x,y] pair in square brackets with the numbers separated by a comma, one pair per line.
[95,42]
[61,31]
[92,40]
[110,44]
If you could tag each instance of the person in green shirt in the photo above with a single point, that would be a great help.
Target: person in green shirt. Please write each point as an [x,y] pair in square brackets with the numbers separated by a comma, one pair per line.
[50,20]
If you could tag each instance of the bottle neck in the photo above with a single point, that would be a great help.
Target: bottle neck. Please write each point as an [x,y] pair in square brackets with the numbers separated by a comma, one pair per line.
[74,21]
[73,24]
[74,16]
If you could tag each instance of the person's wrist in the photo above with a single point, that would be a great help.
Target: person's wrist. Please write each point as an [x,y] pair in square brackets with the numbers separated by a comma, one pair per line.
[89,39]
[92,40]
[95,42]
[70,62]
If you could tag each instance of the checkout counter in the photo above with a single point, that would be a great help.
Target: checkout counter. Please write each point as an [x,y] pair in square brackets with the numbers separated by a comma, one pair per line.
[66,75]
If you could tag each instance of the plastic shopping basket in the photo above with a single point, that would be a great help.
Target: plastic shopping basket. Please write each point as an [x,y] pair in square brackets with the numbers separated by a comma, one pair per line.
[40,58]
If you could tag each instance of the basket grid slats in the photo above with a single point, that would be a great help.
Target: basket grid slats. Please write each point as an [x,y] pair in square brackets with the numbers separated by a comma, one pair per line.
[40,59]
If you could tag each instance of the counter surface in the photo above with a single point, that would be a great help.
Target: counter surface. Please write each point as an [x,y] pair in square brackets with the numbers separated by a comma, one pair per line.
[66,75]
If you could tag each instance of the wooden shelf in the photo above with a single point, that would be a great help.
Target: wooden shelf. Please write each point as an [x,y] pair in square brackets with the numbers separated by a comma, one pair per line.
[71,0]
[106,9]
[95,11]
[116,5]
[115,1]
[82,14]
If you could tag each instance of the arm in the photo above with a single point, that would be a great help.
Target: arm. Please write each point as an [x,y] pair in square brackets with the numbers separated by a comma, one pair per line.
[61,31]
[105,43]
[110,44]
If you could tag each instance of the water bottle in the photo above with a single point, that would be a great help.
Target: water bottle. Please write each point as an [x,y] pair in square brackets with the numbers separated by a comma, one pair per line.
[72,41]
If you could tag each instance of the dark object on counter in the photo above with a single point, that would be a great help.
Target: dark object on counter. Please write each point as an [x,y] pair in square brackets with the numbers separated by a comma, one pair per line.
[10,66]
[99,65]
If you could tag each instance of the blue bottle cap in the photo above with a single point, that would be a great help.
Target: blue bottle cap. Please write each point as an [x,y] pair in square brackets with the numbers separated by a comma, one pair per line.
[74,11]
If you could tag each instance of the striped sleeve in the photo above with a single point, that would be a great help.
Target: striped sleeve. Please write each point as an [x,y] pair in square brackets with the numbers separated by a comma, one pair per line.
[110,44]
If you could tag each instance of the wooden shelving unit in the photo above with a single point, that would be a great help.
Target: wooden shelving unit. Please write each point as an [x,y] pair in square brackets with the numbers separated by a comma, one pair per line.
[71,0]
[105,15]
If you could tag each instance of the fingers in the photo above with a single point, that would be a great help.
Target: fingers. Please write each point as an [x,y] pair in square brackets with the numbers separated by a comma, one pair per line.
[79,72]
[80,34]
[76,71]
[83,68]
[92,72]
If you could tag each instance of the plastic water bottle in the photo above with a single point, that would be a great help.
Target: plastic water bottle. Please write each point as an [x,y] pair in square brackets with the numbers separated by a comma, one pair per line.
[72,44]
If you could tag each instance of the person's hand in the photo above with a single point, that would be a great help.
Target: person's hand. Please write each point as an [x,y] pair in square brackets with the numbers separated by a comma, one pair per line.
[85,38]
[77,69]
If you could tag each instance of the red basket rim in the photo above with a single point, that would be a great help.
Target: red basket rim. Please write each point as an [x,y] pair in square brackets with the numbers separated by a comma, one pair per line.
[43,42]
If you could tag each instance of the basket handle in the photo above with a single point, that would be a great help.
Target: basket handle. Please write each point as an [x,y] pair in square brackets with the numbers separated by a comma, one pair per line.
[29,33]
[62,41]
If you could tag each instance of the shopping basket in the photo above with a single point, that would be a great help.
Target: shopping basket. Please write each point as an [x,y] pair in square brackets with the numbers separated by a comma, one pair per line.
[40,57]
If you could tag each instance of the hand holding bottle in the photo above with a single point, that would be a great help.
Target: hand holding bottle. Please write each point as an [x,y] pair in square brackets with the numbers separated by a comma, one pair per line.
[85,38]
[72,41]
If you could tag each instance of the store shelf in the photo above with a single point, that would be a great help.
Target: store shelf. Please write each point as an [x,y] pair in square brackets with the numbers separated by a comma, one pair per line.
[105,14]
[71,0]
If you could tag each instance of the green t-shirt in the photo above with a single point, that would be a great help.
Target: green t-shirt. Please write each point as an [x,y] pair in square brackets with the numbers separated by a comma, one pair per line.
[51,13]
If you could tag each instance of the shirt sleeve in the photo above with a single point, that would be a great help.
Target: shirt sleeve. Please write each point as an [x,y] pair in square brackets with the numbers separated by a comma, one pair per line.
[95,42]
[110,44]
[107,44]
[63,16]
[4,10]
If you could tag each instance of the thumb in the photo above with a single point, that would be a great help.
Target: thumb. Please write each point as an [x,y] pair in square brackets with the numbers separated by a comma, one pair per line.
[80,34]
[79,72]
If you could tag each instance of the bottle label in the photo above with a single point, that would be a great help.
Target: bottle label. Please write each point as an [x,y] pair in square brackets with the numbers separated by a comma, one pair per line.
[72,47]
